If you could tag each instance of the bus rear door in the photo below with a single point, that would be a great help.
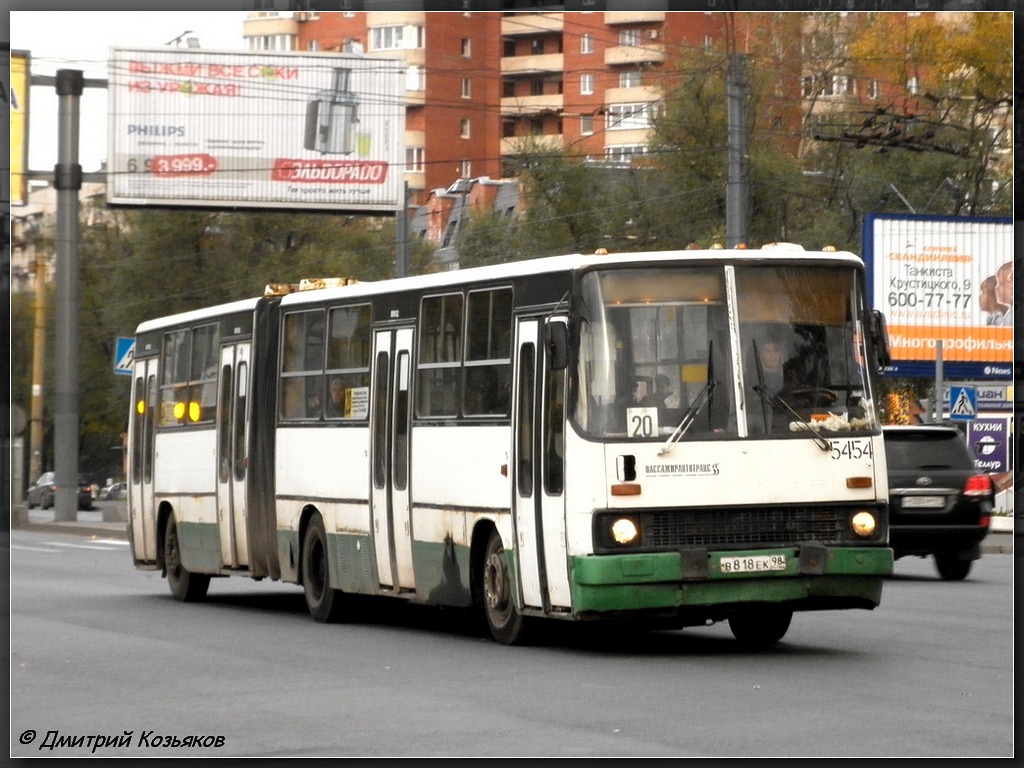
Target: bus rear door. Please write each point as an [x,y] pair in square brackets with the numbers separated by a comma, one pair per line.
[142,514]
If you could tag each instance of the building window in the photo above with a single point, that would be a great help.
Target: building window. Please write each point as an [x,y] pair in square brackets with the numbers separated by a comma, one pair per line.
[629,38]
[396,37]
[466,48]
[414,159]
[466,91]
[464,128]
[536,87]
[536,46]
[874,90]
[586,43]
[586,125]
[625,153]
[508,89]
[629,79]
[913,85]
[537,127]
[465,169]
[313,45]
[709,42]
[629,116]
[586,83]
[415,79]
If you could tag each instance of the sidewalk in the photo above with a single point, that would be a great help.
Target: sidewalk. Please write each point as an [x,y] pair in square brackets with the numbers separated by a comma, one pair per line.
[105,523]
[93,523]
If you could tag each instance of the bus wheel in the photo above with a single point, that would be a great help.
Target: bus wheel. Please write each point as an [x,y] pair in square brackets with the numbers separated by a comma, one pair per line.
[186,586]
[761,628]
[507,625]
[323,601]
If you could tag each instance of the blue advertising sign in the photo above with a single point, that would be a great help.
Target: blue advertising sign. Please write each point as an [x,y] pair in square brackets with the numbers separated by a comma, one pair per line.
[989,439]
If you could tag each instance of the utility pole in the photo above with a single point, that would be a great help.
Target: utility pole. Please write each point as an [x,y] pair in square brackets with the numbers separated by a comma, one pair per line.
[67,177]
[737,217]
[35,458]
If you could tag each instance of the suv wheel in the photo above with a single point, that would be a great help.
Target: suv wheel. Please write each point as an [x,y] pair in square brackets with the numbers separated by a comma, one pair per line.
[952,568]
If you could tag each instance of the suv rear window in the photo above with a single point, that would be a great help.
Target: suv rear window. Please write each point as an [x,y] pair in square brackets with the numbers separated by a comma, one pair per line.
[921,450]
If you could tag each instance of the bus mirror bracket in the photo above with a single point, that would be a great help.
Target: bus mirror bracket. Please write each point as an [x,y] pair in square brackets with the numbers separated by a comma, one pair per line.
[558,345]
[879,333]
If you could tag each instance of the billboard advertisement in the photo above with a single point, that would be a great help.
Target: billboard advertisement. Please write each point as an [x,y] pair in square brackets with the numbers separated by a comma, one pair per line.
[19,127]
[947,279]
[194,127]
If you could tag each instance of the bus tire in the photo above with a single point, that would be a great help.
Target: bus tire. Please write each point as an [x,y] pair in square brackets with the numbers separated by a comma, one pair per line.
[760,628]
[507,625]
[185,586]
[324,602]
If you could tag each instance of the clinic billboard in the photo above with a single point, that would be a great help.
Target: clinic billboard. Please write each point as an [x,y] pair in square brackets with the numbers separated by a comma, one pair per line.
[19,90]
[948,279]
[193,127]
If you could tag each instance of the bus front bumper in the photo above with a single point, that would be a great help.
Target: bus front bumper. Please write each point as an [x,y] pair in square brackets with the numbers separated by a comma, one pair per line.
[807,577]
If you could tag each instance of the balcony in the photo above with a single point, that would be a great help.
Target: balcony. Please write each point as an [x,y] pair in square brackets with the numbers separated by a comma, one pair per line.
[652,53]
[641,94]
[532,65]
[633,17]
[531,24]
[525,106]
[514,145]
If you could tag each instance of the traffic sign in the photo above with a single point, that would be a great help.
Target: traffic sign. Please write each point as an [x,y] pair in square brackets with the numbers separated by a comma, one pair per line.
[124,355]
[963,403]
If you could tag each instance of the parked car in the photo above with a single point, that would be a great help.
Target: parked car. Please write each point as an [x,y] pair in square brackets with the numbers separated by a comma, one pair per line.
[44,490]
[112,492]
[940,503]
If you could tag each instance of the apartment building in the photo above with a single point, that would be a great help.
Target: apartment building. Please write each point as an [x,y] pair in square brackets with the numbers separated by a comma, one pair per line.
[482,85]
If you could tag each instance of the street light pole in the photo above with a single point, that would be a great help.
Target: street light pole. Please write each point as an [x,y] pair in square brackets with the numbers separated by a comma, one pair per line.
[35,459]
[67,176]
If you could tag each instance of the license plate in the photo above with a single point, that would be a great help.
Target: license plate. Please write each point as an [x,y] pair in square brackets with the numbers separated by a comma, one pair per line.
[924,502]
[752,563]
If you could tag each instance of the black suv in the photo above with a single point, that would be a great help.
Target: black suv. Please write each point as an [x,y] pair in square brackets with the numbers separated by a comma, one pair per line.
[939,502]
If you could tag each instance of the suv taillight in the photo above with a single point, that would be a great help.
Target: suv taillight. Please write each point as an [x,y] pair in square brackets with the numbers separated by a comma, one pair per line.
[978,485]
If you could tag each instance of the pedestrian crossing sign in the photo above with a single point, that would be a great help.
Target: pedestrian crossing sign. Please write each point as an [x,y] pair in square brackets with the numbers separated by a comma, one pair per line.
[963,403]
[124,355]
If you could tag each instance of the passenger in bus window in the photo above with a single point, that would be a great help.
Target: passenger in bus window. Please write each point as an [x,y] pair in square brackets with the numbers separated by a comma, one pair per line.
[336,402]
[662,390]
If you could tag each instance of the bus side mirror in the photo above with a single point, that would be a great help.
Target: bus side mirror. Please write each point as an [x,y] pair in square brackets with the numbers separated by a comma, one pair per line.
[879,332]
[558,345]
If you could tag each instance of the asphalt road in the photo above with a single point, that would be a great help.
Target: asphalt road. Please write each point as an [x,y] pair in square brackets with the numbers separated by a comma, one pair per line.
[98,648]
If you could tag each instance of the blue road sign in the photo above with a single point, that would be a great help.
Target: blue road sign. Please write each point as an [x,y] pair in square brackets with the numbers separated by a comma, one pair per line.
[963,403]
[124,355]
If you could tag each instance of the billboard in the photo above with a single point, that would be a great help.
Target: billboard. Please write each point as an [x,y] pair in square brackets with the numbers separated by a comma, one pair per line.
[19,127]
[194,127]
[948,279]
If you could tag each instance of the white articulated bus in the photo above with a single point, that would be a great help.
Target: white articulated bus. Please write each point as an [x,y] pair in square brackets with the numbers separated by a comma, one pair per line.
[482,439]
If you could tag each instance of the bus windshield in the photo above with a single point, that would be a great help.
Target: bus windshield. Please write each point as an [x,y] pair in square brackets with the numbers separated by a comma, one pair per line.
[751,350]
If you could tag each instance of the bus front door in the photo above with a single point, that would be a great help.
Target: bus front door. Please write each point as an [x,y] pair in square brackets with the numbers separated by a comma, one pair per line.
[390,457]
[232,463]
[142,436]
[538,458]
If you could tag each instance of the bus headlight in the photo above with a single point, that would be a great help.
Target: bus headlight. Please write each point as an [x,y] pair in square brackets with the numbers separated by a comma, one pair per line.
[863,523]
[624,531]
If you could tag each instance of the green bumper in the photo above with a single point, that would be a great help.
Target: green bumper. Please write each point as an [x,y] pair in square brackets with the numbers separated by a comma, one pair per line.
[814,577]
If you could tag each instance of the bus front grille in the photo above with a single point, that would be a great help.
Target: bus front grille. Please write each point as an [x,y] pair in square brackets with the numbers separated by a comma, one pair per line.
[733,528]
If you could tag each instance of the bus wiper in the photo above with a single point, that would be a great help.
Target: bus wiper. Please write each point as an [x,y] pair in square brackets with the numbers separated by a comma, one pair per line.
[777,401]
[699,402]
